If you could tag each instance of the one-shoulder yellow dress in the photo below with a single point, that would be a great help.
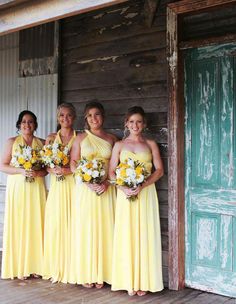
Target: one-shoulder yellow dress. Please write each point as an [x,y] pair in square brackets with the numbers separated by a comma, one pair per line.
[23,224]
[93,223]
[57,232]
[137,261]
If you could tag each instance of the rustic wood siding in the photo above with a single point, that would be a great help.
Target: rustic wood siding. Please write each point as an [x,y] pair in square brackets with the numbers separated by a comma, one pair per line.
[217,22]
[112,55]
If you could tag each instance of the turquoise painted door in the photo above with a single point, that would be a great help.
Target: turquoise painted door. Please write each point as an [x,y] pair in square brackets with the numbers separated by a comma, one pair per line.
[210,169]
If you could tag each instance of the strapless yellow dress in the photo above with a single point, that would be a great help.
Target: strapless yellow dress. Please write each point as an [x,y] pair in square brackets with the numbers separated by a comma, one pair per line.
[137,259]
[23,224]
[93,222]
[57,232]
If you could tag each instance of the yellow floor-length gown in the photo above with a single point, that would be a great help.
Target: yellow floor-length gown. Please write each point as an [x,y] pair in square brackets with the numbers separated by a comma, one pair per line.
[23,224]
[93,222]
[57,233]
[137,261]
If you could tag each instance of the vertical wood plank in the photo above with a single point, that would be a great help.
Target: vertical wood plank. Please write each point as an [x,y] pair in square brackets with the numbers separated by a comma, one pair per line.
[176,158]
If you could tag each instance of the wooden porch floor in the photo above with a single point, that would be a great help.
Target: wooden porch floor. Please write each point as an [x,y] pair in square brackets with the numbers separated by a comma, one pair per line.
[37,291]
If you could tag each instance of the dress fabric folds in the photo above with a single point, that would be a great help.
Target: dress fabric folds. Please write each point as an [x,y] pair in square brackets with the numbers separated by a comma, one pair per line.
[24,223]
[93,222]
[137,260]
[57,232]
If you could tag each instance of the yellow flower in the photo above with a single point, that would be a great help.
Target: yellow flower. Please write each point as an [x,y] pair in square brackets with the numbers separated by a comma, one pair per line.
[34,159]
[119,182]
[21,160]
[65,161]
[138,170]
[27,165]
[60,154]
[89,165]
[123,166]
[48,152]
[87,177]
[57,162]
[123,172]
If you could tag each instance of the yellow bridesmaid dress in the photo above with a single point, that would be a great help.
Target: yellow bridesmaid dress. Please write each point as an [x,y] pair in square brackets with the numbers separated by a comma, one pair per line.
[93,223]
[23,225]
[57,232]
[137,260]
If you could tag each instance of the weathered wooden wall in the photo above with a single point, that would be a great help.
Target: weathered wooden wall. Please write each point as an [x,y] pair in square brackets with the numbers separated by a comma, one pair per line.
[113,56]
[217,22]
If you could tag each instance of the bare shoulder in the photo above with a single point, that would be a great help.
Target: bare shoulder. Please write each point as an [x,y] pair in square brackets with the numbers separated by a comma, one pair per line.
[80,137]
[9,144]
[11,140]
[119,144]
[152,144]
[113,138]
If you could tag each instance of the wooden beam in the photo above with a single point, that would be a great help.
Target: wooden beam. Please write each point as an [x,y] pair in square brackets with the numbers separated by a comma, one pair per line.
[186,6]
[176,218]
[10,3]
[207,41]
[149,11]
[37,12]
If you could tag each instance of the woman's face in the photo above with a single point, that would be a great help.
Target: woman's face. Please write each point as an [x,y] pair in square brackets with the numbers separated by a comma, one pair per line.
[27,125]
[135,124]
[65,118]
[94,119]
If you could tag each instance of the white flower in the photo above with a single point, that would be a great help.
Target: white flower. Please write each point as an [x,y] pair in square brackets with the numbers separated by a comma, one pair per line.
[102,173]
[89,172]
[95,174]
[130,162]
[95,163]
[140,179]
[131,173]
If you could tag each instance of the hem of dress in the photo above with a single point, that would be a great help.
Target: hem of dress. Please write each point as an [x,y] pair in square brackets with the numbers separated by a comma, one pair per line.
[19,277]
[125,289]
[81,283]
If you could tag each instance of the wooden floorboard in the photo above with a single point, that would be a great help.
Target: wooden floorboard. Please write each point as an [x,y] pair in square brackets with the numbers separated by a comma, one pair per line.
[37,291]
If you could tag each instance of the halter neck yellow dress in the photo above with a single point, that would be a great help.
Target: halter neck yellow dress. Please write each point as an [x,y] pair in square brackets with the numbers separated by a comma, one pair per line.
[137,261]
[57,233]
[94,222]
[23,225]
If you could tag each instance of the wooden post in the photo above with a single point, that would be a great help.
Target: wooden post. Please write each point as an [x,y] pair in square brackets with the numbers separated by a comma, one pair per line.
[175,164]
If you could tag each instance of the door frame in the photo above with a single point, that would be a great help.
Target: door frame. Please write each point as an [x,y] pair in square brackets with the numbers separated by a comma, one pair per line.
[176,112]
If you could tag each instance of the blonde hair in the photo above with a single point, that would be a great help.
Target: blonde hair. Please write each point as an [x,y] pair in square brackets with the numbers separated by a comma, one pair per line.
[66,105]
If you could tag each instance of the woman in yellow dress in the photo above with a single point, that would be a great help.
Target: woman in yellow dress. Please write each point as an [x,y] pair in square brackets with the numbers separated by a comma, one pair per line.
[25,202]
[137,262]
[57,233]
[94,214]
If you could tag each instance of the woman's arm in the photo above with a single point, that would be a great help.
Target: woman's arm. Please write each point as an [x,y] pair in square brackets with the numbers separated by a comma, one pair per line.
[114,161]
[6,159]
[157,162]
[75,152]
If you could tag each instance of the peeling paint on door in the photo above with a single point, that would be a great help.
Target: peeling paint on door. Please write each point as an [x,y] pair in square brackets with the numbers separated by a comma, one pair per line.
[210,180]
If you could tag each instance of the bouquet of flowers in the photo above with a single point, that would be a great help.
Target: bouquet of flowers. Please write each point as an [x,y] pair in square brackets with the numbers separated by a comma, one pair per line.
[131,173]
[27,158]
[55,154]
[90,171]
